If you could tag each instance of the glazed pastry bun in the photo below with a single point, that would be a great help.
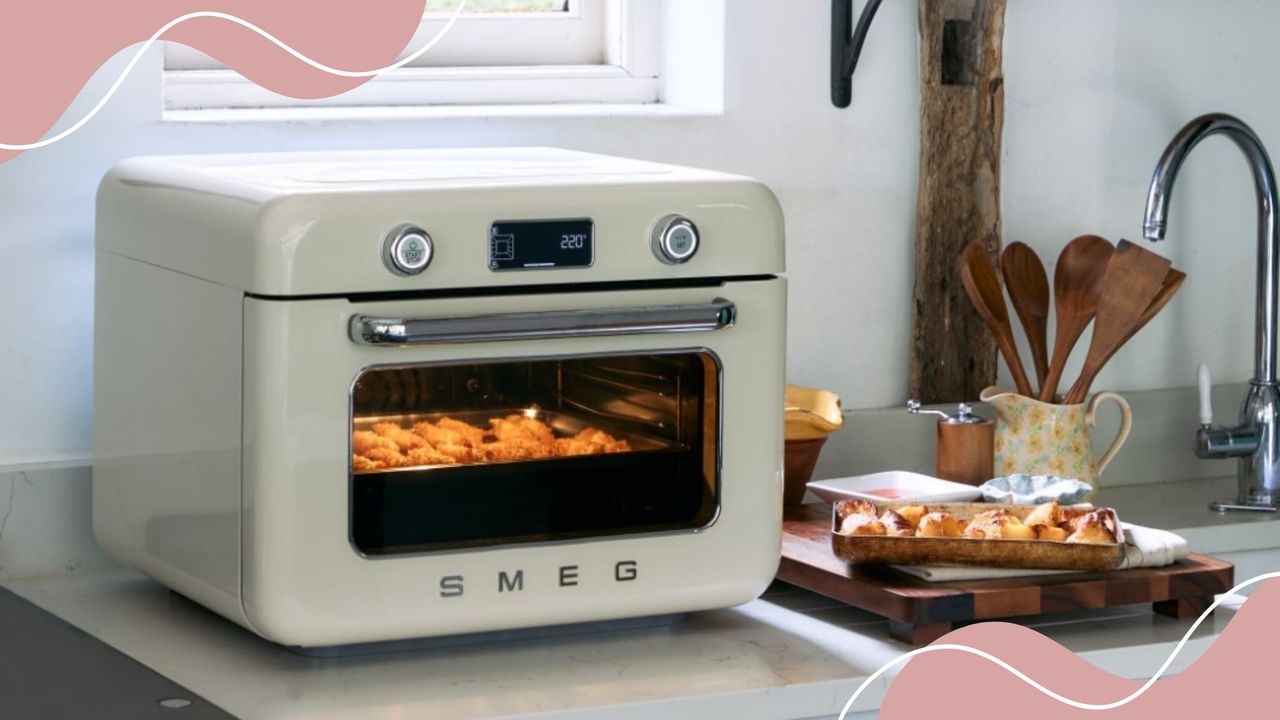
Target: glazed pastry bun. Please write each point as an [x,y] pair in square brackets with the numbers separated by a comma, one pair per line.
[896,525]
[1050,532]
[938,524]
[1096,527]
[912,514]
[858,524]
[848,507]
[1070,516]
[1048,514]
[998,525]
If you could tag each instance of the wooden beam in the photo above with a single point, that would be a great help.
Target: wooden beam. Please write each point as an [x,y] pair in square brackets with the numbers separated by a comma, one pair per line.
[953,355]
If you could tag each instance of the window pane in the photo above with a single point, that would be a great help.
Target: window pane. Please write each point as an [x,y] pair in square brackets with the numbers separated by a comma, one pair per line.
[508,6]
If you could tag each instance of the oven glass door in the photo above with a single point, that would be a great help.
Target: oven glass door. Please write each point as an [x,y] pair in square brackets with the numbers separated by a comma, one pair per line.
[460,455]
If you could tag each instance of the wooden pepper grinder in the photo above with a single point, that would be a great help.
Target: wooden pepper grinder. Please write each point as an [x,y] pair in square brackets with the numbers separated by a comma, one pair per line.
[966,444]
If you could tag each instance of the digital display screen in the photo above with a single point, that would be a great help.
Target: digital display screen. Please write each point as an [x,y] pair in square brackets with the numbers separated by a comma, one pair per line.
[540,244]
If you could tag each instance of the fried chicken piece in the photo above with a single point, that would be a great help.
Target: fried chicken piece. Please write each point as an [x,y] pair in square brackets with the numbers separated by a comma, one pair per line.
[405,440]
[461,453]
[590,441]
[429,456]
[437,435]
[389,457]
[862,525]
[516,449]
[600,438]
[569,447]
[471,436]
[362,441]
[519,427]
[360,463]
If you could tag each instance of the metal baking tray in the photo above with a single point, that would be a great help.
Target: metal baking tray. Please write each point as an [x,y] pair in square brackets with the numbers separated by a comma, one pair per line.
[561,423]
[1027,554]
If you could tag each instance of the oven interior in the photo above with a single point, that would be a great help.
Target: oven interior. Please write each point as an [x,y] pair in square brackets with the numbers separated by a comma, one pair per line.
[447,456]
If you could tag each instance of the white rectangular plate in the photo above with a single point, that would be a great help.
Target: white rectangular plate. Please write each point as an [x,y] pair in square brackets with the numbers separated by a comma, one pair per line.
[906,485]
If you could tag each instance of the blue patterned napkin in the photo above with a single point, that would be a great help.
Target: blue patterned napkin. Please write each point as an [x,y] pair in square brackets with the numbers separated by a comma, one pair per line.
[1023,489]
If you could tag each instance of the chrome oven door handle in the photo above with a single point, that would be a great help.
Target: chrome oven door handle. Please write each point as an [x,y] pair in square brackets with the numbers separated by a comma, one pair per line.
[716,315]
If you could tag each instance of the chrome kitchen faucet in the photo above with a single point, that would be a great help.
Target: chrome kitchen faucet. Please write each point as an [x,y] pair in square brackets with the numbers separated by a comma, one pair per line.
[1255,440]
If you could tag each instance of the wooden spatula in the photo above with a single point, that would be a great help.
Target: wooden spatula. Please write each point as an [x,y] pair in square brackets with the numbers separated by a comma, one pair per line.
[1172,282]
[1028,286]
[983,286]
[1077,283]
[1133,279]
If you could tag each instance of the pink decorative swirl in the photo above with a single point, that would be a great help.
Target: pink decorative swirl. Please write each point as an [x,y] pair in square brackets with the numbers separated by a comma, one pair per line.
[48,50]
[1232,678]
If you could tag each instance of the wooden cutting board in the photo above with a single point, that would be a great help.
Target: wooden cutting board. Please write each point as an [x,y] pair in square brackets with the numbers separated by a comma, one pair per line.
[920,612]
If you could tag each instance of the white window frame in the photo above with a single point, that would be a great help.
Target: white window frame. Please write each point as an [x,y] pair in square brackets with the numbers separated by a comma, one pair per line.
[604,52]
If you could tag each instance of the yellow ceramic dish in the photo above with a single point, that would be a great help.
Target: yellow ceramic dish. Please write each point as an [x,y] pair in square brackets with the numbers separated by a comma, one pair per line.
[811,413]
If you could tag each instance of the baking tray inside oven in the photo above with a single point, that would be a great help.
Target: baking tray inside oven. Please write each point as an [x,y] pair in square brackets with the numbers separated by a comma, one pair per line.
[562,424]
[658,485]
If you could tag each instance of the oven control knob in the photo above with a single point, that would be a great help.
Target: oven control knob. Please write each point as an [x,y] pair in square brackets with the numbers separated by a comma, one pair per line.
[407,250]
[675,239]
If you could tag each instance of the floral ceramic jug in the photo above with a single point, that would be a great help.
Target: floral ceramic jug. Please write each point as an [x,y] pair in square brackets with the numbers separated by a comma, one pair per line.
[1040,438]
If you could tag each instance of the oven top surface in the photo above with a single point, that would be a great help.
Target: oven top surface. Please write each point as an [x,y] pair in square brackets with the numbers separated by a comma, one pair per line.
[391,170]
[284,224]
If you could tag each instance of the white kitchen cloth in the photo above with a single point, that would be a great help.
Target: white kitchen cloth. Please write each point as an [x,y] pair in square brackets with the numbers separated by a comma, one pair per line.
[1143,547]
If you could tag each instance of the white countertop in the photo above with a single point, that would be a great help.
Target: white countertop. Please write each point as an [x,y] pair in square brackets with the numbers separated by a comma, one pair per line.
[791,654]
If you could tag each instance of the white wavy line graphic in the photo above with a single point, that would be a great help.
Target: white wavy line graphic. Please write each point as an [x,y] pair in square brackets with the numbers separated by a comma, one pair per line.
[453,18]
[1023,677]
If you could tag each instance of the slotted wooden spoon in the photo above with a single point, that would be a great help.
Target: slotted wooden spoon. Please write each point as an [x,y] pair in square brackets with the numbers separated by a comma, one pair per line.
[982,283]
[1133,279]
[1077,283]
[1028,286]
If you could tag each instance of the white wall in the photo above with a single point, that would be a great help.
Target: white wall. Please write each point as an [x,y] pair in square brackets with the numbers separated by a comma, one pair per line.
[1094,91]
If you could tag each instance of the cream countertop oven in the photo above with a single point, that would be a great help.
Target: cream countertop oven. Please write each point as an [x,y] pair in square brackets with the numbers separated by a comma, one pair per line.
[354,397]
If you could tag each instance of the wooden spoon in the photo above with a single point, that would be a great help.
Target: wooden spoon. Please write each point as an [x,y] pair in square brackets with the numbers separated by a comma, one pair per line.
[1028,287]
[1172,282]
[983,285]
[1133,279]
[1077,282]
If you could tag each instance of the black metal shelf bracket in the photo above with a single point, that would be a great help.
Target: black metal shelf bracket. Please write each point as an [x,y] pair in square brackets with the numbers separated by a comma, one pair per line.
[846,46]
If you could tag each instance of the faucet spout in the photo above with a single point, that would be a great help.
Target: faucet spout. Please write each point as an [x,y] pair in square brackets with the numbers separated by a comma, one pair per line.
[1256,441]
[1264,180]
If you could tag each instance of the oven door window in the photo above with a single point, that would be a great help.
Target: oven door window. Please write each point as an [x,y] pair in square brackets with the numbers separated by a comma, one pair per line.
[500,453]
